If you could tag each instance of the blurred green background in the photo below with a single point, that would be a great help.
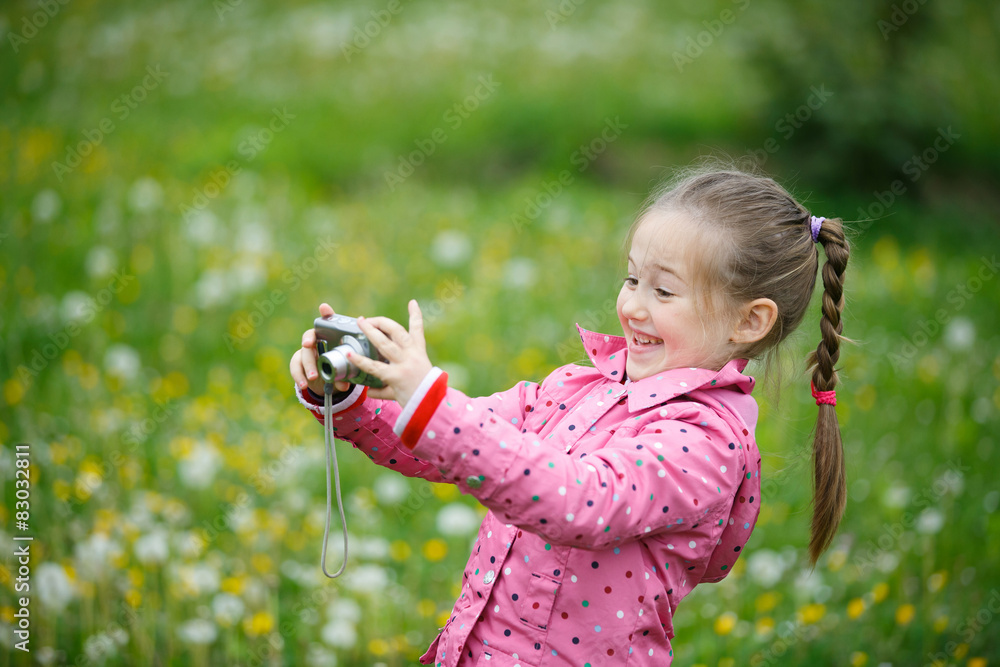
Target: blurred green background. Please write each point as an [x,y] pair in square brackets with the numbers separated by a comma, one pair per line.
[182,183]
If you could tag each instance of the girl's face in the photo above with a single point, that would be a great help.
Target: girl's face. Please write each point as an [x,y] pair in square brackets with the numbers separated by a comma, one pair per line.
[658,303]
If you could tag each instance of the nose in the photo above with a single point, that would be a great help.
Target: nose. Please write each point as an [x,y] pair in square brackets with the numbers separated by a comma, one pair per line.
[633,307]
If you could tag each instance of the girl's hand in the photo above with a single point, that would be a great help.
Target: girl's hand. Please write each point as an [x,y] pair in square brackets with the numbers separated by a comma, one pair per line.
[405,350]
[303,365]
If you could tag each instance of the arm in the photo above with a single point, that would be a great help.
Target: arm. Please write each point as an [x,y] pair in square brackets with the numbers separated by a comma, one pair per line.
[641,483]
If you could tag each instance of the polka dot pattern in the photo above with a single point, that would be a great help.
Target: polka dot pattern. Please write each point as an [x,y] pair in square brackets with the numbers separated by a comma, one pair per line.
[588,480]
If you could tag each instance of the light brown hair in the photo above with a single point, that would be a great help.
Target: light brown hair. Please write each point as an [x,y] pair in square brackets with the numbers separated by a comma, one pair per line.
[755,241]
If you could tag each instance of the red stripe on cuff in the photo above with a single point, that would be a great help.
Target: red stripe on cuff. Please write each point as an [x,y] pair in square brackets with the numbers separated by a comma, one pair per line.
[432,399]
[361,399]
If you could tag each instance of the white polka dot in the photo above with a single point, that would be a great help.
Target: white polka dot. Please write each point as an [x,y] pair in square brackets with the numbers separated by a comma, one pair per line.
[562,490]
[506,570]
[628,510]
[573,578]
[662,473]
[569,517]
[468,406]
[670,546]
[431,434]
[607,338]
[496,608]
[684,384]
[651,651]
[722,468]
[658,445]
[489,534]
[691,544]
[600,520]
[663,413]
[621,614]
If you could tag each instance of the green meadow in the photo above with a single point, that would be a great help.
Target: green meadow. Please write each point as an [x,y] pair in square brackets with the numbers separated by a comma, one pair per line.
[182,183]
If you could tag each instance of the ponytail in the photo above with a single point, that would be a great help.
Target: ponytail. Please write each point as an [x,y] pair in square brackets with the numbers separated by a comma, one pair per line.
[829,476]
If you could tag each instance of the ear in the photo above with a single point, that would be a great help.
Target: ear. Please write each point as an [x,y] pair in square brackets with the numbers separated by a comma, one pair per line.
[756,319]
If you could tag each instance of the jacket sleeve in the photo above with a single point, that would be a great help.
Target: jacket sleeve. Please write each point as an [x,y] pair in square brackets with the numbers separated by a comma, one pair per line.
[680,468]
[368,425]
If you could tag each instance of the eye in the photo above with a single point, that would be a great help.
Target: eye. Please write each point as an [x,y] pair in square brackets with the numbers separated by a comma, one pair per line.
[663,293]
[631,281]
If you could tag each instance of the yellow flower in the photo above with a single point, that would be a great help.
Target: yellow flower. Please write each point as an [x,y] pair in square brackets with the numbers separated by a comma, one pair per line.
[725,623]
[261,562]
[881,591]
[812,613]
[443,617]
[936,581]
[232,585]
[859,659]
[378,647]
[904,614]
[425,607]
[7,614]
[976,662]
[767,601]
[940,624]
[765,626]
[61,489]
[435,550]
[13,391]
[855,608]
[961,651]
[445,492]
[727,662]
[133,598]
[260,624]
[400,550]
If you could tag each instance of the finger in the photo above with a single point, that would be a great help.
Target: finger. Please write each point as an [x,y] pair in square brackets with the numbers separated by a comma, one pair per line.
[325,310]
[416,323]
[308,361]
[295,368]
[384,393]
[383,343]
[309,338]
[392,329]
[366,365]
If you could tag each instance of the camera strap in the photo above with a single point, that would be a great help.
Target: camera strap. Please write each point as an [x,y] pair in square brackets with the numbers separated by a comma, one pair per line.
[331,461]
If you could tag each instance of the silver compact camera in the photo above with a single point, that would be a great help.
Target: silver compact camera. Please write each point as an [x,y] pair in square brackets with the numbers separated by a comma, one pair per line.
[335,337]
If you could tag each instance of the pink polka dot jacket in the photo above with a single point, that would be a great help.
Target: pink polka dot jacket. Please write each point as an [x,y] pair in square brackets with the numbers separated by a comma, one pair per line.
[608,501]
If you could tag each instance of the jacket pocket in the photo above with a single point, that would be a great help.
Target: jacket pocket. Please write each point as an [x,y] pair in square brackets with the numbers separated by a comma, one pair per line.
[537,602]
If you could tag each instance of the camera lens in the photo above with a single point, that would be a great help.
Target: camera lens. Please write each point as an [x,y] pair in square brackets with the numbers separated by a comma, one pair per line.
[334,366]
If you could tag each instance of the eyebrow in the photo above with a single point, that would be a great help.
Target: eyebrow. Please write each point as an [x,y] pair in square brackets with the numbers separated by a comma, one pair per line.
[664,268]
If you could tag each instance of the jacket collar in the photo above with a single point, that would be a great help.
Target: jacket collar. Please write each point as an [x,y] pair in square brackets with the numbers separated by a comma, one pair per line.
[608,354]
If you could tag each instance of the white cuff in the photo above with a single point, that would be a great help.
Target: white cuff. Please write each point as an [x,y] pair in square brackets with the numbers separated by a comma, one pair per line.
[416,400]
[339,406]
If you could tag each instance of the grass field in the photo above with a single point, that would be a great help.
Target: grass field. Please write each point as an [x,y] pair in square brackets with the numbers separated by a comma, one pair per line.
[243,165]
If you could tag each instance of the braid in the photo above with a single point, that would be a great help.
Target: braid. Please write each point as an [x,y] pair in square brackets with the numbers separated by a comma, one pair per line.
[830,479]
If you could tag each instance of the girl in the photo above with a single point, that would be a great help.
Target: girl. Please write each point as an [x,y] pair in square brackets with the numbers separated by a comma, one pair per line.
[614,490]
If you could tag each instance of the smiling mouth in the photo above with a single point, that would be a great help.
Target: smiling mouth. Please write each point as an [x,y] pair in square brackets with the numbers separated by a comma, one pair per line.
[643,341]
